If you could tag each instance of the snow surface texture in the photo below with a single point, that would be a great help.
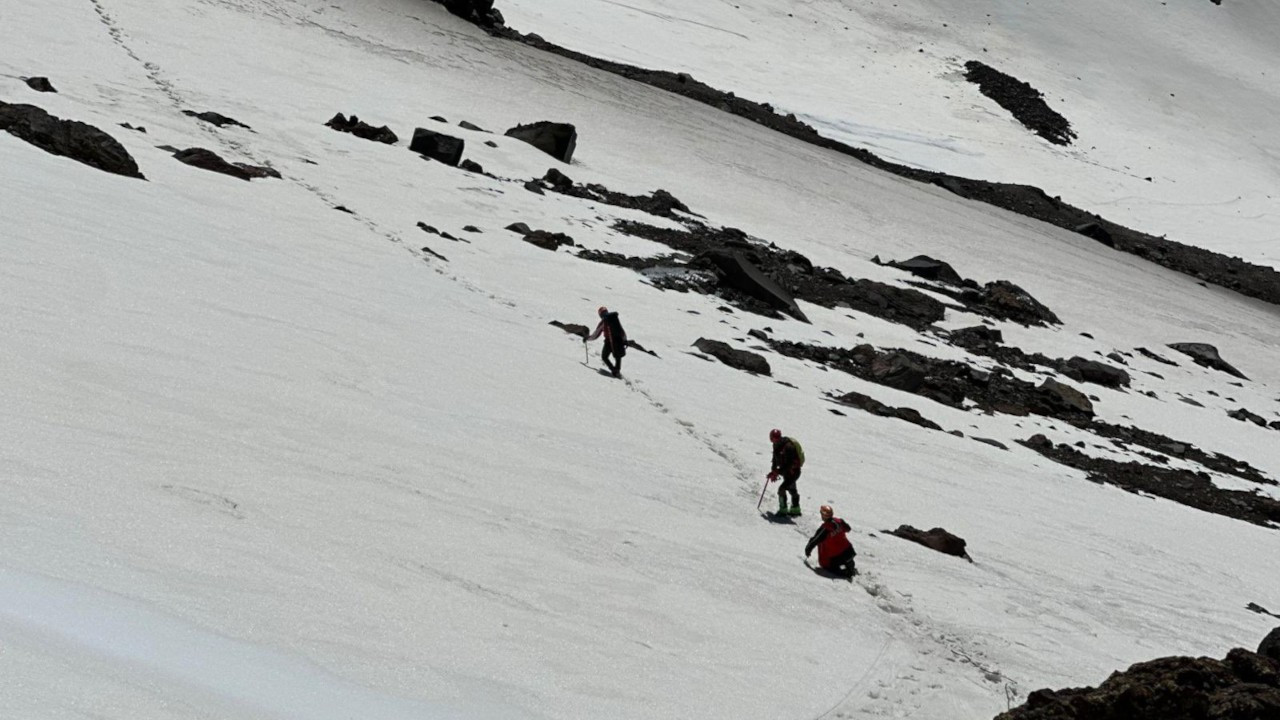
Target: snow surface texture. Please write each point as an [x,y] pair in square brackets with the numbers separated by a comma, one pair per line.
[1184,93]
[264,459]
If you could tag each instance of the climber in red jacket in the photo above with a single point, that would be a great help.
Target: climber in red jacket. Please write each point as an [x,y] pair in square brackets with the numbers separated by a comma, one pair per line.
[835,553]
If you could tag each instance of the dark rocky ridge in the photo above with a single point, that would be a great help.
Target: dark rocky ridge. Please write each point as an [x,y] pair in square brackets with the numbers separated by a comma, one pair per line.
[1024,102]
[792,271]
[1193,489]
[1233,273]
[1242,686]
[875,407]
[659,202]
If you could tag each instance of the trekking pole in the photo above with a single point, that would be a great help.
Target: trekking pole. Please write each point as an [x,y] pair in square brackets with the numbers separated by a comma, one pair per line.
[762,492]
[586,354]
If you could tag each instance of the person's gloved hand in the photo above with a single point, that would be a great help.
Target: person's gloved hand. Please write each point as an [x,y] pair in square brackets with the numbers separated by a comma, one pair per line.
[773,476]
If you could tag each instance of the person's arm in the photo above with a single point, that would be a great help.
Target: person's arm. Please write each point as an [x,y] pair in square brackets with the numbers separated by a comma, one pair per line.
[845,526]
[596,334]
[818,536]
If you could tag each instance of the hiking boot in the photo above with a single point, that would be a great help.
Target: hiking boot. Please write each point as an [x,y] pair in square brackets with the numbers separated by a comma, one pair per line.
[794,511]
[782,508]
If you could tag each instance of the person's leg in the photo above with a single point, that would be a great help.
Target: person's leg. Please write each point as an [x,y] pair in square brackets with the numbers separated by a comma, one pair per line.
[617,366]
[842,564]
[782,495]
[790,484]
[604,355]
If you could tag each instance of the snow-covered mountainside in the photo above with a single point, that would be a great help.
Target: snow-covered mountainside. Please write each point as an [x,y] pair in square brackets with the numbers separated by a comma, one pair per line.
[1173,103]
[308,446]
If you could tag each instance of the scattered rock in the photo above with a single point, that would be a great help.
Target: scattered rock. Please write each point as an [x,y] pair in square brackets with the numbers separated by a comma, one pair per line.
[214,118]
[429,251]
[1156,357]
[471,229]
[935,539]
[480,12]
[1207,356]
[993,443]
[740,359]
[471,166]
[519,227]
[1024,102]
[127,126]
[68,138]
[1245,416]
[548,240]
[875,407]
[344,208]
[555,139]
[1242,686]
[40,84]
[898,371]
[1007,301]
[437,146]
[469,126]
[361,129]
[209,160]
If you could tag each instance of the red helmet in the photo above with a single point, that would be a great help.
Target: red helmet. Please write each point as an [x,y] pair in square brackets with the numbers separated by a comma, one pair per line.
[602,310]
[775,435]
[826,512]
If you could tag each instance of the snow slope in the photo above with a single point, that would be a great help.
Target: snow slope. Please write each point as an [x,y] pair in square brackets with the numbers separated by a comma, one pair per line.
[1174,102]
[268,459]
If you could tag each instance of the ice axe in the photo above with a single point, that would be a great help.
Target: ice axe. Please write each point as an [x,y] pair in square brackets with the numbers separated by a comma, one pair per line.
[767,480]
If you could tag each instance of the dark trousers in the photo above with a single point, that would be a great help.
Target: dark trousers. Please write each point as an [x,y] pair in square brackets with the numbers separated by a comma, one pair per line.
[615,367]
[788,487]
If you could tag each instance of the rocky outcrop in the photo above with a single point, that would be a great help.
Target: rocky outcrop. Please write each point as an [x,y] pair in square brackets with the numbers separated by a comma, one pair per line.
[480,12]
[737,272]
[1024,102]
[1207,355]
[1066,396]
[1004,300]
[1242,686]
[1193,489]
[659,202]
[1270,645]
[68,138]
[214,118]
[558,140]
[935,539]
[361,129]
[211,161]
[875,407]
[923,266]
[792,271]
[437,146]
[741,359]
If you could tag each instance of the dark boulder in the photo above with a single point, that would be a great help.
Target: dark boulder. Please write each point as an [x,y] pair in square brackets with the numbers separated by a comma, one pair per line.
[1270,646]
[740,359]
[1099,373]
[992,443]
[897,370]
[1245,416]
[1242,686]
[480,12]
[1097,232]
[926,267]
[471,126]
[548,240]
[40,84]
[737,272]
[935,539]
[1007,301]
[1207,355]
[472,166]
[1065,396]
[437,146]
[214,118]
[68,138]
[976,336]
[519,227]
[209,160]
[361,129]
[558,140]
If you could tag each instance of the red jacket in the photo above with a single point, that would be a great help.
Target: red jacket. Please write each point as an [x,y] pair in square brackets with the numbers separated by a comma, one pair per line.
[831,540]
